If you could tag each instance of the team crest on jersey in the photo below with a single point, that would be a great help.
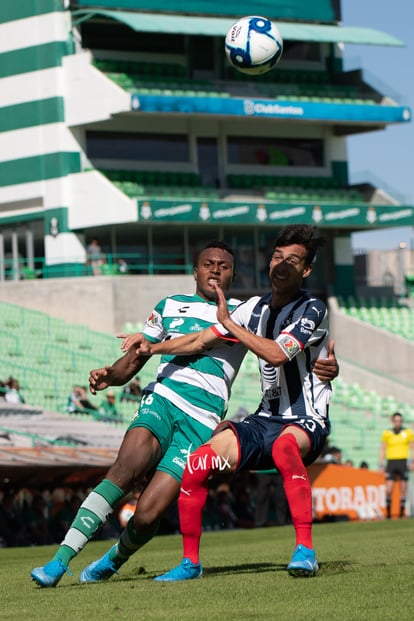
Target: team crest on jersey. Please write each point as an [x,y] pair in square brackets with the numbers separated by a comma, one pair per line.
[289,345]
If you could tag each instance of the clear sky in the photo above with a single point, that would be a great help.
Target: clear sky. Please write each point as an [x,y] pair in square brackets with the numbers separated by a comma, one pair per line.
[387,155]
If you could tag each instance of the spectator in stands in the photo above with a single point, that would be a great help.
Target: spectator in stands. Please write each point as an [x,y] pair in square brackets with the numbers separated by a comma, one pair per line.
[2,390]
[363,465]
[37,521]
[107,409]
[243,509]
[95,257]
[132,391]
[78,402]
[333,455]
[211,517]
[122,266]
[12,524]
[63,517]
[396,445]
[228,518]
[13,394]
[271,507]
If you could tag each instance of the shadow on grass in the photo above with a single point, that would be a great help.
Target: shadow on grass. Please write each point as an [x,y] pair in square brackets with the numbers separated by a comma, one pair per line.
[336,567]
[325,569]
[245,568]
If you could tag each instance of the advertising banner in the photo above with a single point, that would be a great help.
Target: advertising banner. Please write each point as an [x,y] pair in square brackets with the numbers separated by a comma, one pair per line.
[355,493]
[305,111]
[272,213]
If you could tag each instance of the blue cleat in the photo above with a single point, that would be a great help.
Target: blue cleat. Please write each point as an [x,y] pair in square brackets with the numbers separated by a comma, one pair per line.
[187,570]
[50,574]
[303,563]
[102,569]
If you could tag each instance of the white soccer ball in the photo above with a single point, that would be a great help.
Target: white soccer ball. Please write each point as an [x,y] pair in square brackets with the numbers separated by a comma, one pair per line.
[254,45]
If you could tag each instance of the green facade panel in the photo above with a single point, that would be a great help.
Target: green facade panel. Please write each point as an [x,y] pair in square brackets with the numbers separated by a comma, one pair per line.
[56,221]
[33,216]
[32,113]
[39,168]
[317,10]
[34,58]
[21,9]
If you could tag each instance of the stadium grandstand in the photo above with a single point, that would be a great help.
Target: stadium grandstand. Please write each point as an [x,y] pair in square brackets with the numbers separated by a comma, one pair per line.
[121,122]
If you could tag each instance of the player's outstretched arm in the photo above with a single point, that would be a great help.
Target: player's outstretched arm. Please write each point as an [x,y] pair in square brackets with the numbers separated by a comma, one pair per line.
[117,374]
[188,345]
[327,368]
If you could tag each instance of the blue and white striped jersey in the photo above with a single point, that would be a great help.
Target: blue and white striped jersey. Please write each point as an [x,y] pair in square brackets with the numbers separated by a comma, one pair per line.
[301,329]
[199,385]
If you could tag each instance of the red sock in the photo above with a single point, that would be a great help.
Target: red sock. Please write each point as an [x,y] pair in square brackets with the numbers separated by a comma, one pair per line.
[193,496]
[288,461]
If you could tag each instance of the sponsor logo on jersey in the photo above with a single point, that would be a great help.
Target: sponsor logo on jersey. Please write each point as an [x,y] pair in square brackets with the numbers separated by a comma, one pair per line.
[183,309]
[175,323]
[307,325]
[269,373]
[179,462]
[196,328]
[272,393]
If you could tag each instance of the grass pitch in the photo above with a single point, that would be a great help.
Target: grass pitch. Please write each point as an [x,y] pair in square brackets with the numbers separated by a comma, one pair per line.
[366,574]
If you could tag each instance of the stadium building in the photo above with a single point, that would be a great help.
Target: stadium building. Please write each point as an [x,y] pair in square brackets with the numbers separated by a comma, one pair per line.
[123,122]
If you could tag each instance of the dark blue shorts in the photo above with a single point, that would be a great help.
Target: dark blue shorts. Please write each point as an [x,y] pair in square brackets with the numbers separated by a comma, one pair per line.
[256,435]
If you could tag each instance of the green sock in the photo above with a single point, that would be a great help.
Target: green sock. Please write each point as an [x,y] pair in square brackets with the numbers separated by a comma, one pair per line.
[129,542]
[91,516]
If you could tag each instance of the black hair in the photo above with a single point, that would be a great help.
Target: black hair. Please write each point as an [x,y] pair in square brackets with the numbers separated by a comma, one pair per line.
[215,244]
[303,234]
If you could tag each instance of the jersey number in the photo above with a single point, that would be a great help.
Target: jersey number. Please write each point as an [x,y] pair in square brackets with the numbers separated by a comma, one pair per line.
[309,424]
[148,399]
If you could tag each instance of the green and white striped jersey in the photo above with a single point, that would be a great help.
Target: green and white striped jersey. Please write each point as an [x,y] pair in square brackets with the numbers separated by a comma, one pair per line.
[199,385]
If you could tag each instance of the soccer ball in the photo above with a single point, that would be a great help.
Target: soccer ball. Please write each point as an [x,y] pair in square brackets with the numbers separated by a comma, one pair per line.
[254,45]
